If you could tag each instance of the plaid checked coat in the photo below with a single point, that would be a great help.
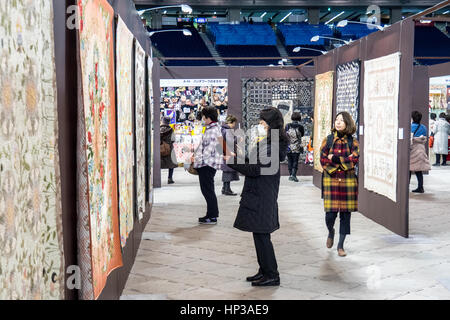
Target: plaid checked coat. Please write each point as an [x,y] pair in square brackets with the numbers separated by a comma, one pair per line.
[340,185]
[209,152]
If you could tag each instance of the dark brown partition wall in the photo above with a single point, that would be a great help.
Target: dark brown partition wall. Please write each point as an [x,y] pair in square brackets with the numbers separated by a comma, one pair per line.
[397,38]
[156,131]
[439,70]
[392,215]
[234,75]
[66,83]
[420,101]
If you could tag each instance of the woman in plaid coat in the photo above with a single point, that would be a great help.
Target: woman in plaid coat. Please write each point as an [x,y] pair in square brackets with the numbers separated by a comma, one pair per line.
[339,154]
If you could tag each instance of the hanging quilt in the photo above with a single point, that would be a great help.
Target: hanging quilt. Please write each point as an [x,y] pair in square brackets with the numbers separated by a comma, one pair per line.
[150,128]
[140,129]
[323,113]
[286,108]
[347,89]
[97,79]
[124,58]
[31,241]
[84,254]
[258,94]
[381,90]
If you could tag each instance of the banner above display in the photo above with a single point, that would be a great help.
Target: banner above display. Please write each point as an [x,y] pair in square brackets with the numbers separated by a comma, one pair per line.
[193,82]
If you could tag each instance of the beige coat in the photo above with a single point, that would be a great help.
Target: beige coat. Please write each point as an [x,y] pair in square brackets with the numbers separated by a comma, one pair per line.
[418,160]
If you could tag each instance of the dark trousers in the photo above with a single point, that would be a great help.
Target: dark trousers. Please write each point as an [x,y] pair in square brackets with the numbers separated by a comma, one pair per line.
[171,173]
[226,186]
[206,178]
[438,158]
[419,176]
[344,227]
[266,255]
[293,163]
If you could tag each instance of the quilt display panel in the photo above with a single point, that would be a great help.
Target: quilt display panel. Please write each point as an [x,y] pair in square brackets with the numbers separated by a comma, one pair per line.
[140,128]
[31,240]
[347,89]
[288,95]
[124,75]
[98,92]
[381,89]
[323,113]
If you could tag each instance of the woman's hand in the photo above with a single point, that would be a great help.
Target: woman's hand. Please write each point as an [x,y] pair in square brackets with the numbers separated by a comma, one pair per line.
[227,157]
[330,156]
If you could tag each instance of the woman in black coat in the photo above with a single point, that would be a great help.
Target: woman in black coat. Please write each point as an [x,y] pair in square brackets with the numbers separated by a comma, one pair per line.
[229,174]
[166,135]
[258,211]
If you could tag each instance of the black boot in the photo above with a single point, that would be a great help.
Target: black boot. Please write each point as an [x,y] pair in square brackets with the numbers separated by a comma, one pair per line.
[419,190]
[224,188]
[228,191]
[256,277]
[266,282]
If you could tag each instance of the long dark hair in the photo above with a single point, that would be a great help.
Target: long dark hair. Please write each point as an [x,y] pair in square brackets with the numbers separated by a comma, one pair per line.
[273,117]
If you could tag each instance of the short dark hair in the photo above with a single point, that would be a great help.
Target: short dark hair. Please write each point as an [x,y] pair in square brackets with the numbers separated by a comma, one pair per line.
[350,126]
[210,112]
[296,116]
[416,116]
[442,115]
[433,116]
[231,119]
[165,120]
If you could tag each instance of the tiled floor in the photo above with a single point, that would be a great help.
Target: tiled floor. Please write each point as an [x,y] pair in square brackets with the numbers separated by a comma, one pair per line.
[183,260]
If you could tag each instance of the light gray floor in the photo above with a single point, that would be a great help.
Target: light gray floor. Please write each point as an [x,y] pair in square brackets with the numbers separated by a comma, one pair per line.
[182,260]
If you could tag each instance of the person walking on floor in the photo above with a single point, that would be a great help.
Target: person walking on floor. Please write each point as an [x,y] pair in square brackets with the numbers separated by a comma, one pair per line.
[418,160]
[294,132]
[440,145]
[339,155]
[432,125]
[166,148]
[207,160]
[229,174]
[258,210]
[432,122]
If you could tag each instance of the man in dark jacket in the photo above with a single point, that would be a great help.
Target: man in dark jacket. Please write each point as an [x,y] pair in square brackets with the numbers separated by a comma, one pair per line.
[166,133]
[295,132]
[258,210]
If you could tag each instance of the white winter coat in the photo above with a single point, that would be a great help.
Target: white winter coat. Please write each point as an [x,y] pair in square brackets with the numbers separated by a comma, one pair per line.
[441,133]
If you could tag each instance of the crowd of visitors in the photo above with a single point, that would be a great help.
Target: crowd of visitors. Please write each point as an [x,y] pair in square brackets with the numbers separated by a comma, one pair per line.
[258,210]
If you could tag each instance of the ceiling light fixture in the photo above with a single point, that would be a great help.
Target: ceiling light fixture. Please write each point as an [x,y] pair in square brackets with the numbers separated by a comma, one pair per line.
[286,16]
[344,23]
[184,7]
[186,32]
[297,49]
[335,17]
[316,38]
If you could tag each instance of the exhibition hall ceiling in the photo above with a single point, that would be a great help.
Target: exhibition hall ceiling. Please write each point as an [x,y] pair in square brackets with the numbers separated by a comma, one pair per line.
[288,3]
[277,10]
